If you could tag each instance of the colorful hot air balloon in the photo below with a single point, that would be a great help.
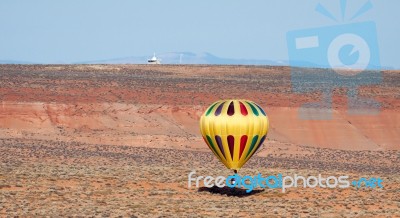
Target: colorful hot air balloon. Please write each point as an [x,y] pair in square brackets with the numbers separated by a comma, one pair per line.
[234,130]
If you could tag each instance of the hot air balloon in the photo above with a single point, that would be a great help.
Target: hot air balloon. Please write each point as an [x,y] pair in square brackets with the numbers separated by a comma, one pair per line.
[234,130]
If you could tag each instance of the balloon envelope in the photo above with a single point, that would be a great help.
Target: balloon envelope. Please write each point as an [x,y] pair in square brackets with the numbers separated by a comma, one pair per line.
[234,130]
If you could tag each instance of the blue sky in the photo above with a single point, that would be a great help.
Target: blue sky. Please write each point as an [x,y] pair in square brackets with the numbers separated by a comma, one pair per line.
[62,31]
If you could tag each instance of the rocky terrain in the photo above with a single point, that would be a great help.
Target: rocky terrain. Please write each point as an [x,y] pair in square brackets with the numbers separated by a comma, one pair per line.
[120,140]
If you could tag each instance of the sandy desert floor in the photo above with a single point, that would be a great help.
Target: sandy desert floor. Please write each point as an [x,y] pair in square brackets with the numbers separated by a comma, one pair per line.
[120,140]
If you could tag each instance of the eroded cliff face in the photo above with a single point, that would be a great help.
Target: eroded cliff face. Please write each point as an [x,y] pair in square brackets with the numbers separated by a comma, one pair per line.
[101,123]
[159,106]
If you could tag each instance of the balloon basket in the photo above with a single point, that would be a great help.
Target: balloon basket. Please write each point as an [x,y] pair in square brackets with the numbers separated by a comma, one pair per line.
[233,181]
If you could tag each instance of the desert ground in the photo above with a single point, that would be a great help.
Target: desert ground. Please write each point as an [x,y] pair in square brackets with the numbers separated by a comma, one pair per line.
[120,140]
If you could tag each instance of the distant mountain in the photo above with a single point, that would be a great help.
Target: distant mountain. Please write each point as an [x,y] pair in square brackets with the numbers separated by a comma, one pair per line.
[207,58]
[14,62]
[187,58]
